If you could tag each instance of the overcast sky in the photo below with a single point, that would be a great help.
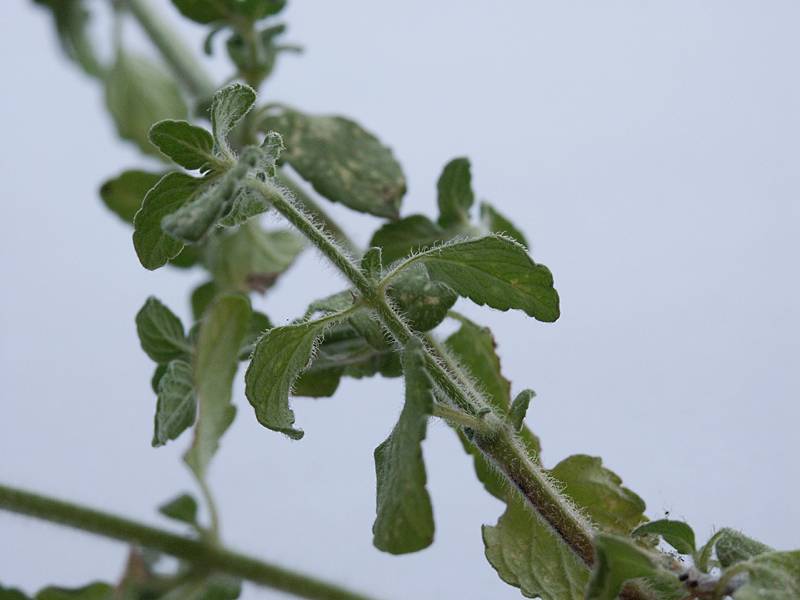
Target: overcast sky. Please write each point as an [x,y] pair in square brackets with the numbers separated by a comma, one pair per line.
[648,149]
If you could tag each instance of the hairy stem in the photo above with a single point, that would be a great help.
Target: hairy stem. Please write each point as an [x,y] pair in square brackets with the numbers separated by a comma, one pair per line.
[197,552]
[499,445]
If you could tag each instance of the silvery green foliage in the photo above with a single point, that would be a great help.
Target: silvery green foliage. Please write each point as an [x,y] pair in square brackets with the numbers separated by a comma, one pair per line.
[203,211]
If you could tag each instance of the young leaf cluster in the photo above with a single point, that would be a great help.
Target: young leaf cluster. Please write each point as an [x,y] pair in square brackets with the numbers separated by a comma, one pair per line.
[572,531]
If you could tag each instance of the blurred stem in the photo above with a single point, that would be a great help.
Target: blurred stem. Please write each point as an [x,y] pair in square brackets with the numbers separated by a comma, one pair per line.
[197,552]
[180,59]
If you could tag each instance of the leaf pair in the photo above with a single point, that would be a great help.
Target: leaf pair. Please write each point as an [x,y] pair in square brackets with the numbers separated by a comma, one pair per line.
[455,198]
[192,376]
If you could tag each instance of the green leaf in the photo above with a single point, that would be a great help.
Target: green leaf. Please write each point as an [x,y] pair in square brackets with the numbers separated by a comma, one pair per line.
[527,554]
[342,161]
[372,263]
[246,204]
[345,352]
[182,508]
[676,533]
[404,521]
[772,576]
[12,594]
[734,547]
[213,587]
[205,11]
[424,302]
[123,195]
[281,355]
[154,247]
[161,332]
[251,259]
[228,107]
[259,323]
[519,408]
[71,19]
[702,557]
[455,193]
[493,271]
[401,238]
[599,491]
[177,405]
[617,562]
[138,94]
[215,363]
[94,591]
[494,222]
[187,145]
[202,297]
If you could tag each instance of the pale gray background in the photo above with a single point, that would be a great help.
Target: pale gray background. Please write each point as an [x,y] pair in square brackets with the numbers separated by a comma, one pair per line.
[649,149]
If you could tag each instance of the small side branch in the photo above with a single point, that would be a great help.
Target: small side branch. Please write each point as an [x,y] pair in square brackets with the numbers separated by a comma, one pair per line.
[194,551]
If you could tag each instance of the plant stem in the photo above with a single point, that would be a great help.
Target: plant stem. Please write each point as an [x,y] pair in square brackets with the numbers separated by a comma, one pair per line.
[316,211]
[499,445]
[177,55]
[197,552]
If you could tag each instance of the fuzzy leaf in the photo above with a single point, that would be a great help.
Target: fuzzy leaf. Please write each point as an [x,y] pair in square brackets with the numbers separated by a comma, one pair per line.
[519,408]
[216,358]
[676,533]
[527,554]
[424,302]
[153,245]
[398,239]
[281,355]
[372,263]
[734,547]
[246,204]
[161,332]
[494,271]
[251,259]
[259,323]
[181,508]
[404,521]
[494,222]
[342,161]
[772,576]
[140,93]
[599,491]
[202,297]
[345,352]
[455,193]
[177,405]
[228,107]
[187,145]
[617,562]
[123,195]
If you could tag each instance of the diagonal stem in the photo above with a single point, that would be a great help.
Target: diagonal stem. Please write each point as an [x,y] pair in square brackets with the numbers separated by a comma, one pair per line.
[499,446]
[199,553]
